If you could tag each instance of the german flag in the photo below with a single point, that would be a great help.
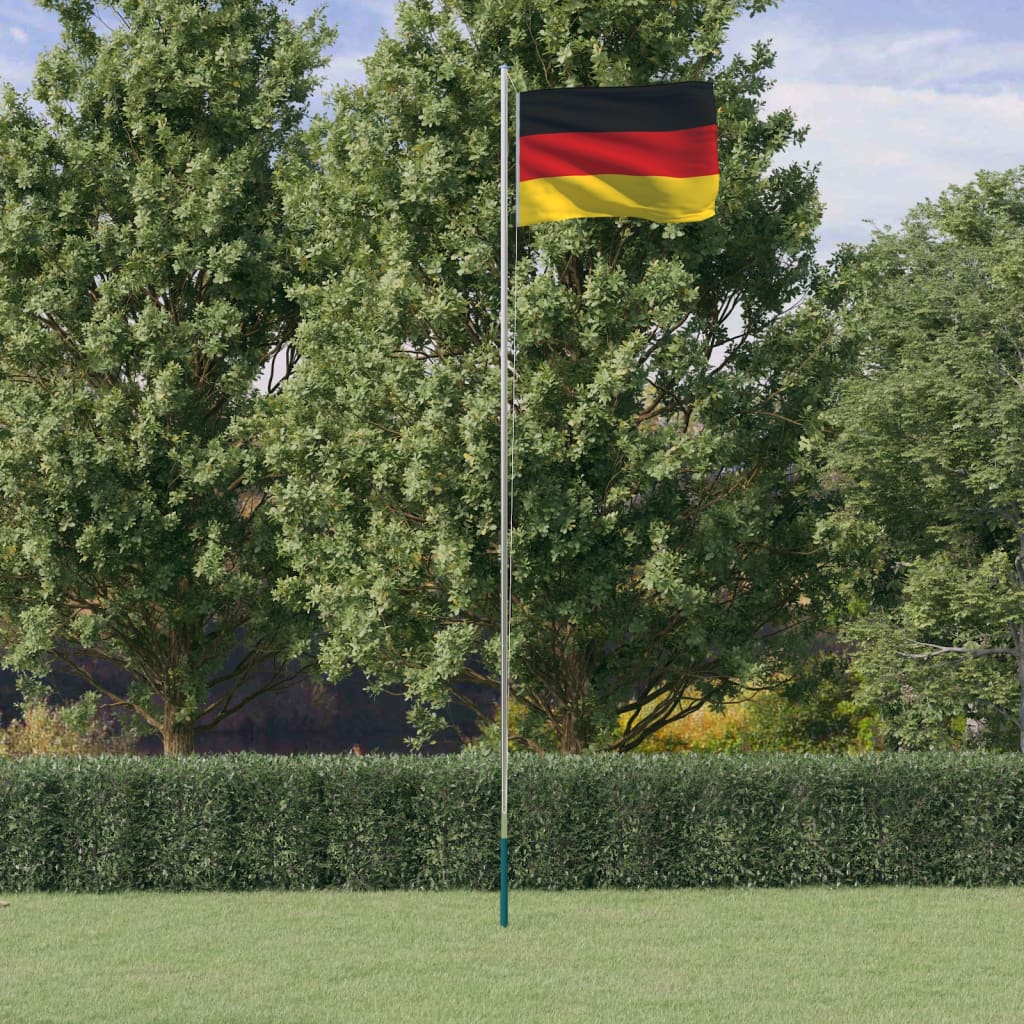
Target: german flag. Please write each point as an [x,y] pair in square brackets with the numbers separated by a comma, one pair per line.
[640,151]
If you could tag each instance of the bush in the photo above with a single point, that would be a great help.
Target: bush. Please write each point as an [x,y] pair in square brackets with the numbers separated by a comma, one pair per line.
[814,712]
[250,821]
[76,728]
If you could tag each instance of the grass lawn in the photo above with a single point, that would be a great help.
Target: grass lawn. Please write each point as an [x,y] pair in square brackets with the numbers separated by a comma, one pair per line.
[916,956]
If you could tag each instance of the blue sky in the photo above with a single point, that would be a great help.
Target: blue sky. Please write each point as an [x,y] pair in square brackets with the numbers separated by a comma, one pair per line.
[903,97]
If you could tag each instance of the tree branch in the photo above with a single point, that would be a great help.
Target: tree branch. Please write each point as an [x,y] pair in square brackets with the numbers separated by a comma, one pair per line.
[938,650]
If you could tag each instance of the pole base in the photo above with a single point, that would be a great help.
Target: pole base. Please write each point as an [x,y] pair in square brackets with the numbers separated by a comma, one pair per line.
[504,882]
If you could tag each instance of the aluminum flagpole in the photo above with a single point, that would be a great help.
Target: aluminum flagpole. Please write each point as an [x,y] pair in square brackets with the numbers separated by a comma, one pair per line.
[506,585]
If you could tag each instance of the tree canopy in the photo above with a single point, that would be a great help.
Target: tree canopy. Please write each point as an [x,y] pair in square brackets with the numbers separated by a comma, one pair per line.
[144,268]
[662,538]
[925,458]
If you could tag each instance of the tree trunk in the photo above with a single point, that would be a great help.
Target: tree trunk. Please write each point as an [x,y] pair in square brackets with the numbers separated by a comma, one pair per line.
[569,739]
[178,737]
[572,727]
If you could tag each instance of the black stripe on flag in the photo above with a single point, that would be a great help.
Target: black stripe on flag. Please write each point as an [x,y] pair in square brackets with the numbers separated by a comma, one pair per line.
[644,108]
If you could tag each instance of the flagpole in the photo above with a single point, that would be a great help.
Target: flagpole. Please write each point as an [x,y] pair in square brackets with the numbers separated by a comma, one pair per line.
[505,581]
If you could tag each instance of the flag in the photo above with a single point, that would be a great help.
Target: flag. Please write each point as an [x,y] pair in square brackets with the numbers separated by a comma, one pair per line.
[640,151]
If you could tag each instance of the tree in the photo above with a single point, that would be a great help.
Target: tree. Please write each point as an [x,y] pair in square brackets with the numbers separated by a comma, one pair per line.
[661,537]
[143,285]
[925,458]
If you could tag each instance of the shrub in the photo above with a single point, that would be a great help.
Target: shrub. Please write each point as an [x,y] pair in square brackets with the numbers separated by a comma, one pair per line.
[250,821]
[707,730]
[816,711]
[76,728]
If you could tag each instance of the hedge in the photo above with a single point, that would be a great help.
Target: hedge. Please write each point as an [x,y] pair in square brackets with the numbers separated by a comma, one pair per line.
[250,821]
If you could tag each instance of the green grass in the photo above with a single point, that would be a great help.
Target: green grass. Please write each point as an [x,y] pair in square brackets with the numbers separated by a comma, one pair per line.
[870,956]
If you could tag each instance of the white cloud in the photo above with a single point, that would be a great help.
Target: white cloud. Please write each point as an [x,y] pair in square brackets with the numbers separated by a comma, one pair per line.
[884,149]
[947,59]
[927,40]
[343,69]
[25,31]
[895,117]
[16,71]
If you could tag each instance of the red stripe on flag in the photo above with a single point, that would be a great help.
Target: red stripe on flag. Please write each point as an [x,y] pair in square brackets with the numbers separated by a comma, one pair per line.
[687,153]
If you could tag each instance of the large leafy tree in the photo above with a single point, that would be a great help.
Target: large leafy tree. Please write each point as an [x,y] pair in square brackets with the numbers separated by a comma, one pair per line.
[925,457]
[143,273]
[661,538]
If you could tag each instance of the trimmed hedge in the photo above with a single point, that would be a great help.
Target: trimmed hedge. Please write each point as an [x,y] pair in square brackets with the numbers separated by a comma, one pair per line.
[250,821]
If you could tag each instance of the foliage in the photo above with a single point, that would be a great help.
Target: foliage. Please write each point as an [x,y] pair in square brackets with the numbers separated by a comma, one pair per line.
[708,730]
[601,820]
[924,457]
[143,274]
[75,728]
[814,712]
[527,731]
[661,540]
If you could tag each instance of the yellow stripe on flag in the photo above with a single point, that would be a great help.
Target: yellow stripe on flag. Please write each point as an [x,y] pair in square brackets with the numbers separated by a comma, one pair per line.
[670,200]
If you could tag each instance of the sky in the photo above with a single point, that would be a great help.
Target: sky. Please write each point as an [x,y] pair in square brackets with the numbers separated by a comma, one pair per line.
[902,97]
